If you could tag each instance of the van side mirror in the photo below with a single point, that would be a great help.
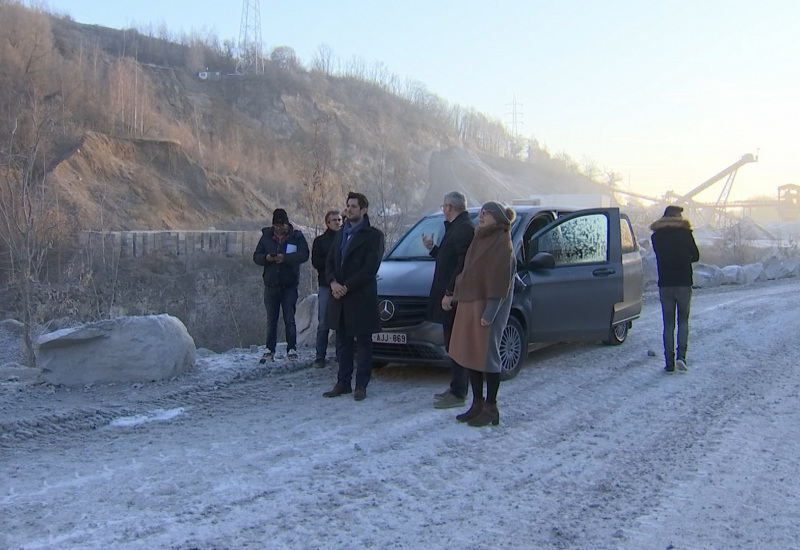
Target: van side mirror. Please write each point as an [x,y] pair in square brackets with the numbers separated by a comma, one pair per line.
[542,260]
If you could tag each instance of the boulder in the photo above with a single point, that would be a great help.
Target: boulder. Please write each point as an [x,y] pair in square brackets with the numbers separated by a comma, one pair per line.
[12,326]
[125,349]
[649,269]
[754,273]
[792,265]
[774,268]
[733,275]
[11,334]
[707,276]
[305,319]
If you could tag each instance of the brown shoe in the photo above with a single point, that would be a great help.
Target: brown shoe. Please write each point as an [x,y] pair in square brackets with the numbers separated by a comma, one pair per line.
[337,390]
[488,415]
[360,394]
[474,410]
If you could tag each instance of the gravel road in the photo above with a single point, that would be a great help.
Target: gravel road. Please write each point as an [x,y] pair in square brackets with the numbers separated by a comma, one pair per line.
[597,448]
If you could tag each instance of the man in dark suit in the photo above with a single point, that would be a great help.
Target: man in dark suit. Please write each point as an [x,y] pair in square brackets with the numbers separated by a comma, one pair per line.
[449,255]
[350,269]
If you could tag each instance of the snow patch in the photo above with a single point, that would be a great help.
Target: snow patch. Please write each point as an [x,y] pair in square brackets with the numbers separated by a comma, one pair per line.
[157,415]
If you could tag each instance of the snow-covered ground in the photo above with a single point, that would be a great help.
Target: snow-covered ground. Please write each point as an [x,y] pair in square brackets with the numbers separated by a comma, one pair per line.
[597,448]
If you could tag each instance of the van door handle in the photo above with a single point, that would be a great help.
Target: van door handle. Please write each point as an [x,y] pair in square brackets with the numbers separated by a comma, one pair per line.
[603,272]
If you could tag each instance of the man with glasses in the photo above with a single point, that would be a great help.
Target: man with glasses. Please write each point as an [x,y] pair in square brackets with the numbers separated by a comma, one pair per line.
[281,250]
[449,255]
[319,254]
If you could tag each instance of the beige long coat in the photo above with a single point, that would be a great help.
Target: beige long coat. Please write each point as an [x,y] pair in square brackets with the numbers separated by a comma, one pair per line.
[474,346]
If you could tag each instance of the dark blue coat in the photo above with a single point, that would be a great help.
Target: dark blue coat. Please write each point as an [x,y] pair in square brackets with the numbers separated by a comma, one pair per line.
[286,273]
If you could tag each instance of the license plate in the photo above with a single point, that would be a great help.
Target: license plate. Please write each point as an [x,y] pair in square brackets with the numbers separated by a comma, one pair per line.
[389,337]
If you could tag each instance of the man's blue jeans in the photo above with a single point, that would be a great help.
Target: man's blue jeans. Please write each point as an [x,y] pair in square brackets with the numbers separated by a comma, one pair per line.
[277,298]
[675,298]
[323,296]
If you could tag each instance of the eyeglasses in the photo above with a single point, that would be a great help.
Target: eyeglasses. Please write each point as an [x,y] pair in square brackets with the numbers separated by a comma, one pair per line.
[446,205]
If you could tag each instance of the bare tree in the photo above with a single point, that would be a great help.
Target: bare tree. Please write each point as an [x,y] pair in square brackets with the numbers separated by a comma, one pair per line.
[318,189]
[322,60]
[28,221]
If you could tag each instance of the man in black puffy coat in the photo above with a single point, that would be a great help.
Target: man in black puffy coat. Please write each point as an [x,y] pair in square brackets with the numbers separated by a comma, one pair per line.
[676,251]
[281,250]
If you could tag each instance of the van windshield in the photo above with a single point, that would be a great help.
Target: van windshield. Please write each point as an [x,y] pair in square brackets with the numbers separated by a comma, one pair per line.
[410,246]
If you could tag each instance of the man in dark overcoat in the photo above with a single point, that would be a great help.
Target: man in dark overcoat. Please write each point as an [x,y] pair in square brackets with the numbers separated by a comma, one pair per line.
[449,255]
[351,269]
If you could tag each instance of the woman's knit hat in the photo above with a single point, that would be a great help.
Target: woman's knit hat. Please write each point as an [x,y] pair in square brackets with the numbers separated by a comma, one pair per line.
[502,214]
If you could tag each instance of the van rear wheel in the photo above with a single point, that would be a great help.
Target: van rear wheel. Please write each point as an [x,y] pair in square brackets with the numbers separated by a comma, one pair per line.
[513,349]
[618,333]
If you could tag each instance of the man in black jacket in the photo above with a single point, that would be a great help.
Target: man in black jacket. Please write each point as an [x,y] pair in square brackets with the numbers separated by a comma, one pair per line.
[281,250]
[350,269]
[675,250]
[319,254]
[449,255]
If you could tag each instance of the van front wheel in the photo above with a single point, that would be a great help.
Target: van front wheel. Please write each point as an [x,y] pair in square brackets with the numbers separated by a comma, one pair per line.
[513,349]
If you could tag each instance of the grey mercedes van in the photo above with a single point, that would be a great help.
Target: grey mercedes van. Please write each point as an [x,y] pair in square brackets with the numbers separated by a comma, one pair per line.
[579,278]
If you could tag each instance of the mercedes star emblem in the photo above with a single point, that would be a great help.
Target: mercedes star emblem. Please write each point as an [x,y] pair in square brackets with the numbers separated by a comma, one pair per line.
[386,310]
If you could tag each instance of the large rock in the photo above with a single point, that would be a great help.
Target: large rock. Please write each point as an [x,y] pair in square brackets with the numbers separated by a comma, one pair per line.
[707,276]
[649,268]
[126,349]
[754,273]
[733,275]
[306,320]
[775,268]
[793,266]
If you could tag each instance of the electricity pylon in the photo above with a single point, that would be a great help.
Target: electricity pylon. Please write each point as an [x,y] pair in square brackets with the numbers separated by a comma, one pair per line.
[250,59]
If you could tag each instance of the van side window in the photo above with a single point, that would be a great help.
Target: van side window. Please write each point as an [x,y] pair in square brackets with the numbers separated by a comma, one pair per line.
[626,233]
[578,240]
[536,224]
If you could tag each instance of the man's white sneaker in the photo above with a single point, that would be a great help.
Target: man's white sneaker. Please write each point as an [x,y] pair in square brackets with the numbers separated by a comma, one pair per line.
[680,366]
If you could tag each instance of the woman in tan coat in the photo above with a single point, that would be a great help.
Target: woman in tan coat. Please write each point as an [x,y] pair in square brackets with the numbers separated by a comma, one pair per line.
[483,292]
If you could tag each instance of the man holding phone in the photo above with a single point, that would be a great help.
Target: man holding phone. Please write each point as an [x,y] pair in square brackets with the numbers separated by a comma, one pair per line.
[281,250]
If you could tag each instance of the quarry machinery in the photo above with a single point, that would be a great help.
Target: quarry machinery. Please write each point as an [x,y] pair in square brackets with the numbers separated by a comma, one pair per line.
[714,215]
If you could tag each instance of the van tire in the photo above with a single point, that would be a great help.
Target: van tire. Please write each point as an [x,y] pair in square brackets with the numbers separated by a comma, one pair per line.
[618,333]
[513,349]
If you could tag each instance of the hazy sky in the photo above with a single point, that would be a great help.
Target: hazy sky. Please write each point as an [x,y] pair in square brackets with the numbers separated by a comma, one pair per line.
[665,93]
